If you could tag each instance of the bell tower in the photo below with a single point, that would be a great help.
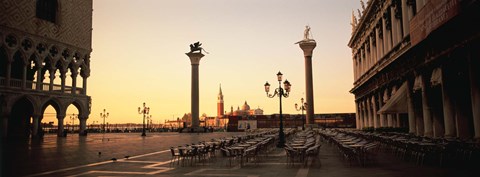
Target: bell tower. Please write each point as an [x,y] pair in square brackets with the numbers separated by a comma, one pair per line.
[220,110]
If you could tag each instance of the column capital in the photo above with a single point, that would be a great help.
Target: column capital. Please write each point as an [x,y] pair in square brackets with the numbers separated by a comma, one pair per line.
[195,57]
[307,47]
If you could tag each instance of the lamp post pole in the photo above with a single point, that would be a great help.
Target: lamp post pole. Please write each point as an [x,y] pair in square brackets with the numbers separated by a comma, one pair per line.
[302,108]
[143,111]
[104,116]
[281,92]
[73,122]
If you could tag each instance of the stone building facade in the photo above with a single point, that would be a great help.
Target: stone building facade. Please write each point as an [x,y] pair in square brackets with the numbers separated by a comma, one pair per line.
[416,65]
[42,43]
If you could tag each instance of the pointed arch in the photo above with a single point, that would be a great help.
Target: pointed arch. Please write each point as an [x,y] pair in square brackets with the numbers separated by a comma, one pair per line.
[56,104]
[19,122]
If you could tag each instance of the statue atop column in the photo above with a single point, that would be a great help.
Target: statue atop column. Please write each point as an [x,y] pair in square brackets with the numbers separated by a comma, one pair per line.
[307,36]
[197,46]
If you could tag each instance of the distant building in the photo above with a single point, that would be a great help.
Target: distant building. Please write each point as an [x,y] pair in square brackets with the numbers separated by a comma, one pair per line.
[415,66]
[43,44]
[337,120]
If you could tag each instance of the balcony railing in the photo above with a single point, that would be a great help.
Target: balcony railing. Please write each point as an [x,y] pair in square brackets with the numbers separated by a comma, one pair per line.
[30,85]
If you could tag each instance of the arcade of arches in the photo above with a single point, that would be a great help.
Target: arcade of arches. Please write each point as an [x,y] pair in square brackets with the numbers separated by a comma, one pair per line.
[36,73]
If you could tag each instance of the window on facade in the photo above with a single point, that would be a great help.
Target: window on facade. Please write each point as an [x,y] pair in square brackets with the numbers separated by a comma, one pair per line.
[47,10]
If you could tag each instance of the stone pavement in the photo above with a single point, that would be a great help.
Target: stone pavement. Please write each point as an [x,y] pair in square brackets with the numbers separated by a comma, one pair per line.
[150,156]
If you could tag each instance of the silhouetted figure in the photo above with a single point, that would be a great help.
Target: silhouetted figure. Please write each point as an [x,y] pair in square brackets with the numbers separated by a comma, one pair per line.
[127,156]
[114,159]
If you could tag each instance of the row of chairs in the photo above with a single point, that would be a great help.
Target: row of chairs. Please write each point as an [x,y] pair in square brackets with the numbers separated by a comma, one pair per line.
[302,148]
[352,147]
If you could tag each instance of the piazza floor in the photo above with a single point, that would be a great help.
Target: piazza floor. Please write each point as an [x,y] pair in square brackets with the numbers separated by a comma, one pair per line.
[150,156]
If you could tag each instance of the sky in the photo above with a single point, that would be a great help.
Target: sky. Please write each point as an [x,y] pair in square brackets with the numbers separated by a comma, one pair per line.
[139,55]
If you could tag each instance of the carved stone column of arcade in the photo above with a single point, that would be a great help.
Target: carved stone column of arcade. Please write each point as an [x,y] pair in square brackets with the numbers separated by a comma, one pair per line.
[39,77]
[307,48]
[407,14]
[357,116]
[360,114]
[365,113]
[394,22]
[85,75]
[74,81]
[375,115]
[195,61]
[448,105]
[410,108]
[83,125]
[427,118]
[389,121]
[380,104]
[379,40]
[369,112]
[63,77]
[60,129]
[36,124]
[52,77]
[474,63]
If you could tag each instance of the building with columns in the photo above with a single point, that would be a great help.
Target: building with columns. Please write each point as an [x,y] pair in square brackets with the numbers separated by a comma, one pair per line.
[416,66]
[43,44]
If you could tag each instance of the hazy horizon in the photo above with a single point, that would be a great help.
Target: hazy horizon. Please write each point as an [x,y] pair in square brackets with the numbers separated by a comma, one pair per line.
[139,56]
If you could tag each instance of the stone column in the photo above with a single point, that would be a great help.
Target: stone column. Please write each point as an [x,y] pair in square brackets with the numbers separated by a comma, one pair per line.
[385,38]
[362,115]
[195,61]
[475,92]
[52,78]
[84,90]
[369,112]
[411,109]
[373,49]
[375,116]
[448,107]
[63,75]
[307,48]
[84,73]
[83,125]
[365,113]
[380,105]
[406,16]
[394,29]
[39,78]
[60,130]
[354,69]
[418,118]
[36,124]
[74,81]
[427,118]
[364,61]
[379,42]
[357,116]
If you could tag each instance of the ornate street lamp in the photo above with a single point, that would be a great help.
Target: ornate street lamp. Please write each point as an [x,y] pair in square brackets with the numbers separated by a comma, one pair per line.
[73,122]
[104,116]
[302,108]
[143,111]
[281,92]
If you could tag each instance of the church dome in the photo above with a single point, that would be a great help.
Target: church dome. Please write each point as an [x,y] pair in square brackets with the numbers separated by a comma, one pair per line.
[245,107]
